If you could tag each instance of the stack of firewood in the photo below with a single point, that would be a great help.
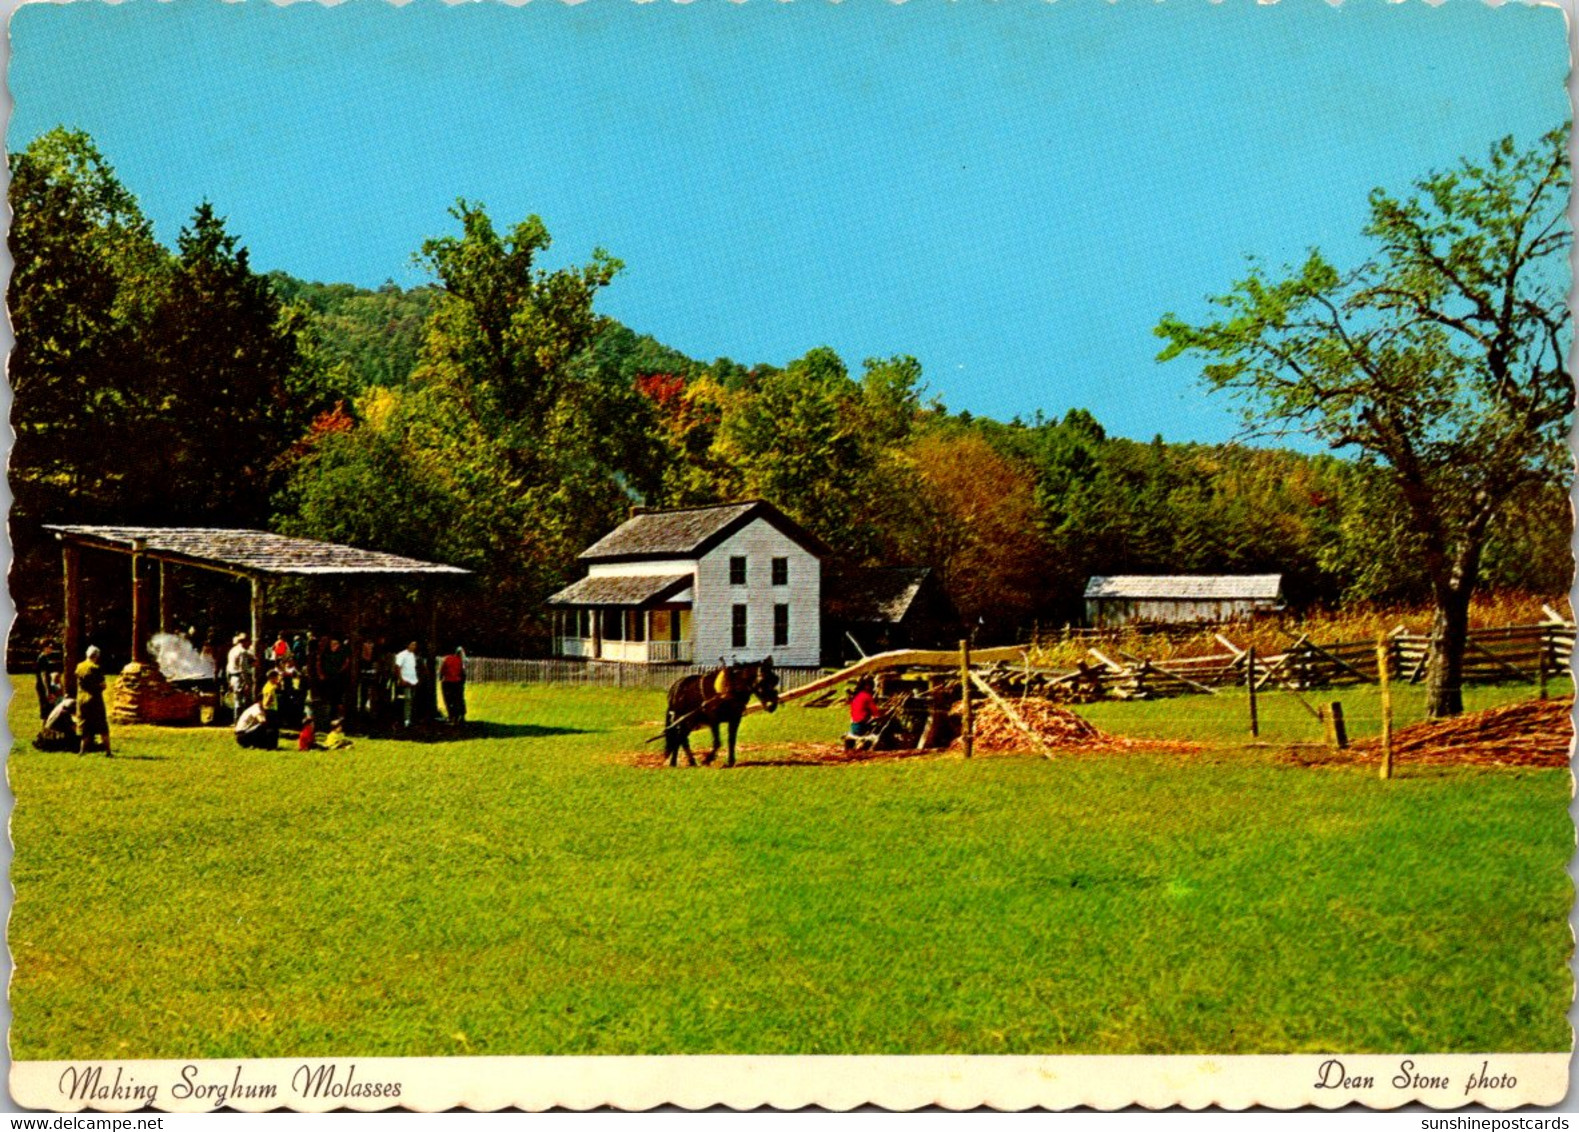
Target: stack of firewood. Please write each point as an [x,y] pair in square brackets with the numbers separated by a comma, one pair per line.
[143,695]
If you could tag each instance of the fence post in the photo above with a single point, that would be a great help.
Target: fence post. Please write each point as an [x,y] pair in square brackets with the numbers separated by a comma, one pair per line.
[1384,677]
[1250,682]
[1540,661]
[1332,720]
[968,732]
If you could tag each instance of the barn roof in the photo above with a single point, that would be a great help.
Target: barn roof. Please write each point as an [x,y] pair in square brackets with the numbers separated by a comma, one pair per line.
[248,552]
[874,593]
[691,532]
[1188,587]
[621,589]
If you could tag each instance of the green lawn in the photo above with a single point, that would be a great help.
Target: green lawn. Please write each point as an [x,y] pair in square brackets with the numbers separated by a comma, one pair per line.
[530,891]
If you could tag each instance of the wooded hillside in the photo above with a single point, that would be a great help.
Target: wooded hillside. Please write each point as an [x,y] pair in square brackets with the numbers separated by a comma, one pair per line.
[494,420]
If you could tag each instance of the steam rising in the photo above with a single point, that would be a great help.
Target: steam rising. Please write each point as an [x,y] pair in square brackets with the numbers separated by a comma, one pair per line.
[178,659]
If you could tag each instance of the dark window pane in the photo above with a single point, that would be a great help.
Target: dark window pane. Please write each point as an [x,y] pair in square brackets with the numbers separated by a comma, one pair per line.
[737,571]
[738,628]
[781,571]
[781,624]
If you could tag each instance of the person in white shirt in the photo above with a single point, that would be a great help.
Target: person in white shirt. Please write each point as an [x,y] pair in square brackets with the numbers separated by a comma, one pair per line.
[239,667]
[406,670]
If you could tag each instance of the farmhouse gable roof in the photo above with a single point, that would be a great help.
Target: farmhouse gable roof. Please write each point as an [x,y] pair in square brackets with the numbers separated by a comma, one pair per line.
[1188,587]
[691,532]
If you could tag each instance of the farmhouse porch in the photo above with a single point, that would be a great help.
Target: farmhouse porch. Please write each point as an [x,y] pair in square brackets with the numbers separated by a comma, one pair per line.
[643,619]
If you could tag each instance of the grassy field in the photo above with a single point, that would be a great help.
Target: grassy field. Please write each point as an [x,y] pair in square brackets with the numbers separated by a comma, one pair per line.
[529,890]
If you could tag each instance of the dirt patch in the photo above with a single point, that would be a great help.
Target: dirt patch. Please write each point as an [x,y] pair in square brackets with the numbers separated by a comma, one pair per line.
[1063,731]
[1532,734]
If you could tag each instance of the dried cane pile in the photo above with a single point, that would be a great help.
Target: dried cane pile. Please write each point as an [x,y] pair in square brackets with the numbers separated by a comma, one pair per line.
[1058,728]
[143,695]
[1535,733]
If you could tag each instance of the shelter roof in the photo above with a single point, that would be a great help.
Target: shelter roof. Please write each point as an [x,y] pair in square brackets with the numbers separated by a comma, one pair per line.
[691,532]
[1188,587]
[248,552]
[875,593]
[621,589]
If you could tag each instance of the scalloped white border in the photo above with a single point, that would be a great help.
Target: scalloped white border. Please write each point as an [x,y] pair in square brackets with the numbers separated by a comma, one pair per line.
[895,1083]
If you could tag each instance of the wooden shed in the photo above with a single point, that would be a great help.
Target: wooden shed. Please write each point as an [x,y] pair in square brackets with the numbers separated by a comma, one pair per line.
[871,609]
[1121,599]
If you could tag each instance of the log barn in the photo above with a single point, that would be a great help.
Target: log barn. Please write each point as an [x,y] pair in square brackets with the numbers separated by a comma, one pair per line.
[1121,599]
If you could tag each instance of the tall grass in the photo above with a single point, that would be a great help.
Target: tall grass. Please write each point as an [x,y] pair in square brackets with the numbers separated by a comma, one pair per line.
[1272,635]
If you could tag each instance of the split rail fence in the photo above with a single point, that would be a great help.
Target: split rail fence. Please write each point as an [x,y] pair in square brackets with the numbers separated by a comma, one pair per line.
[1513,652]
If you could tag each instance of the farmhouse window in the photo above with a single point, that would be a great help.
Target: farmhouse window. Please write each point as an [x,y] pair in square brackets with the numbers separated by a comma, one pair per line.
[737,571]
[737,627]
[780,622]
[781,571]
[613,624]
[636,625]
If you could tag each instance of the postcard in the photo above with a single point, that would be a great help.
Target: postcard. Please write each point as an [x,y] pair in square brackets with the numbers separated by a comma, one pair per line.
[1006,555]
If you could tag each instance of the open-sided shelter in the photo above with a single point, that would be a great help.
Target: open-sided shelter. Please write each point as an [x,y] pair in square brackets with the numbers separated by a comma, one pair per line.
[258,557]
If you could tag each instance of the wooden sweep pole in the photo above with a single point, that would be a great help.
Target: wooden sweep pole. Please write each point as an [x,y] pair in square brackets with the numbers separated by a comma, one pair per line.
[968,729]
[1384,678]
[1250,682]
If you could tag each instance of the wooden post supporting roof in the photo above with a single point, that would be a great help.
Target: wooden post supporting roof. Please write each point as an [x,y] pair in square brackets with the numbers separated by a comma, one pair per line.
[164,602]
[257,626]
[139,602]
[71,561]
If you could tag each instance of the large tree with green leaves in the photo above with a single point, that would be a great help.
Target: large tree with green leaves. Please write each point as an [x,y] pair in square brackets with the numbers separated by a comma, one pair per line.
[1441,359]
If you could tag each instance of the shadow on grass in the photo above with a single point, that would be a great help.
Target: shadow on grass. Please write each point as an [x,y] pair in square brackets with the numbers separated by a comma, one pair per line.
[438,733]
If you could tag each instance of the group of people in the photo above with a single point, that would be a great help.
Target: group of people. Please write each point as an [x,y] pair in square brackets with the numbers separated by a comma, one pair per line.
[310,678]
[76,722]
[305,679]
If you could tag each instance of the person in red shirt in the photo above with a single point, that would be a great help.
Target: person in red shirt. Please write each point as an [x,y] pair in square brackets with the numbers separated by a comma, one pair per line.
[863,708]
[452,682]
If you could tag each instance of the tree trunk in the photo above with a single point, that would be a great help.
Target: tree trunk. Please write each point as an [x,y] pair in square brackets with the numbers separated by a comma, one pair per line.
[1445,659]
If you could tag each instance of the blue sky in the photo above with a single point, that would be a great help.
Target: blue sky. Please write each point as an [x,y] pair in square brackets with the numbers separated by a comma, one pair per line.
[1013,192]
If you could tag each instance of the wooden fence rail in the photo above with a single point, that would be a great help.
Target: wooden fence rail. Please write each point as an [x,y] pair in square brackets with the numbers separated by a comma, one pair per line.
[1509,652]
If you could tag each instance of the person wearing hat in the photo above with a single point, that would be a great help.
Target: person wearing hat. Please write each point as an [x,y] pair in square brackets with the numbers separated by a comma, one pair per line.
[239,667]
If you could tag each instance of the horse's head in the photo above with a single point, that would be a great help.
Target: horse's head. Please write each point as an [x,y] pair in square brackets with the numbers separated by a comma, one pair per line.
[766,685]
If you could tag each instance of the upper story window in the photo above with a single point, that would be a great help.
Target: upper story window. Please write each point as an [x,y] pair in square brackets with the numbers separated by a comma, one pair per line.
[737,627]
[781,571]
[737,571]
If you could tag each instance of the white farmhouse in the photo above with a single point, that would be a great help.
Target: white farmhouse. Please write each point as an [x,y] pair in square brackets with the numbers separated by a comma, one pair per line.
[737,582]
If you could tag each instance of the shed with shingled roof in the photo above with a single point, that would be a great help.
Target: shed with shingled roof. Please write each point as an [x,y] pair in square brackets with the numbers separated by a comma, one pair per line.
[1120,599]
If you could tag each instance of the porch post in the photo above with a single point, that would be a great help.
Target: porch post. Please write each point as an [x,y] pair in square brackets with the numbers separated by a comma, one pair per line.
[597,633]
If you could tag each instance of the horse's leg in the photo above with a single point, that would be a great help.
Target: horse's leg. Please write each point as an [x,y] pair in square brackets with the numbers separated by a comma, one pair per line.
[690,758]
[718,743]
[734,727]
[671,746]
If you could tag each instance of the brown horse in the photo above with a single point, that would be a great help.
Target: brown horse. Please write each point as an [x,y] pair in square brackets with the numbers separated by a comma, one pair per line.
[716,697]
